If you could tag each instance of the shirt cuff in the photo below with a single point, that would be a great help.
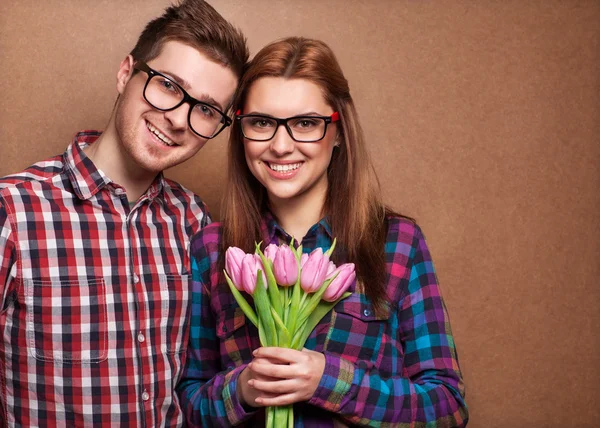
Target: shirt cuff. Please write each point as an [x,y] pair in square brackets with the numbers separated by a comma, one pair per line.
[335,383]
[236,412]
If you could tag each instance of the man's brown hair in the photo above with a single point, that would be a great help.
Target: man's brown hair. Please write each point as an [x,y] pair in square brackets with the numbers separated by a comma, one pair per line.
[199,25]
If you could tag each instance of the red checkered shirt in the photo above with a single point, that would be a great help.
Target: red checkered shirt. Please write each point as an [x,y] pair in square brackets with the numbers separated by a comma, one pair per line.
[94,295]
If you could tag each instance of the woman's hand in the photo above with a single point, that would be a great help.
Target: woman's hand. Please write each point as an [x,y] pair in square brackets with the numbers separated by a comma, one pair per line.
[281,376]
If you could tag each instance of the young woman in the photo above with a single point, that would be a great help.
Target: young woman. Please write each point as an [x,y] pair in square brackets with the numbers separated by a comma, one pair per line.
[299,167]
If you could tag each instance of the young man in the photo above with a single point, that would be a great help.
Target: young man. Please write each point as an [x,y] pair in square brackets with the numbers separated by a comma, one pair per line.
[94,264]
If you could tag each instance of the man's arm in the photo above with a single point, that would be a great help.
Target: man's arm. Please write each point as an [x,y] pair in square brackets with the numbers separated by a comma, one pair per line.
[7,252]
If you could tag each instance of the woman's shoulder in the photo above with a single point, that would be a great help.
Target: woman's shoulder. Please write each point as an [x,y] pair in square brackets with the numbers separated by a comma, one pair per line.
[207,239]
[403,228]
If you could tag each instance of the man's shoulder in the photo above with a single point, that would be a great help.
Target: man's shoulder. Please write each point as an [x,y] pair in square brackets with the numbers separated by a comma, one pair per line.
[38,172]
[176,193]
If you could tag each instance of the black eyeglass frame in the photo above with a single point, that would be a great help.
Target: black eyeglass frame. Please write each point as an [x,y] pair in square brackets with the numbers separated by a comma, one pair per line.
[187,98]
[327,119]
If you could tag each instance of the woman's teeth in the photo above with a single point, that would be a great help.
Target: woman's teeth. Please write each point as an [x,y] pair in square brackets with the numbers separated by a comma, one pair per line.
[284,168]
[162,137]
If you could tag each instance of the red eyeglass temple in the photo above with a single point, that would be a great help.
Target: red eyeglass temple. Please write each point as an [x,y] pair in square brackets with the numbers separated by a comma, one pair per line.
[334,117]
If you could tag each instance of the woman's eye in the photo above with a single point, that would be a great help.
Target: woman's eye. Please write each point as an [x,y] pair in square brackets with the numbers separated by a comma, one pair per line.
[304,124]
[260,123]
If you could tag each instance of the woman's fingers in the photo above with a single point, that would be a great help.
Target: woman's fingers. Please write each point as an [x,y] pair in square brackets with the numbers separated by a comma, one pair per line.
[266,369]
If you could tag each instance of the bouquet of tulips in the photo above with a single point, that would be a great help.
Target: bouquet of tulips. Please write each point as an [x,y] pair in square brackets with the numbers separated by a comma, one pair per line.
[292,292]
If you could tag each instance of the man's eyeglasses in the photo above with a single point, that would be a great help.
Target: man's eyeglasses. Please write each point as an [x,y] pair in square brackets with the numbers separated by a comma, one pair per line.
[304,129]
[162,93]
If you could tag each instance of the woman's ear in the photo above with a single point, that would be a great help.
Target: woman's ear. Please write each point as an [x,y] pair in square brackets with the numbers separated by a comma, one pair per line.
[124,74]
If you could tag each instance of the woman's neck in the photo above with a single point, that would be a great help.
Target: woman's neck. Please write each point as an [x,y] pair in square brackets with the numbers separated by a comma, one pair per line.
[298,215]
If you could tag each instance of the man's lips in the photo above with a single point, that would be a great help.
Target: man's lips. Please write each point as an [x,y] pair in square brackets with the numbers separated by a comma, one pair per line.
[162,137]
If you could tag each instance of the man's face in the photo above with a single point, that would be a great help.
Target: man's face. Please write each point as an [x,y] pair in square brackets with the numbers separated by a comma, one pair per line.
[155,140]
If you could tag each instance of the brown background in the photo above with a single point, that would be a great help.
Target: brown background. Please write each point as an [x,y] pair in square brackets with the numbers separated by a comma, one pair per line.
[483,119]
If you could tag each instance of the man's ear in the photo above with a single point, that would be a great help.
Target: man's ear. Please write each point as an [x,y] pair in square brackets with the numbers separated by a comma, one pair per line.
[124,74]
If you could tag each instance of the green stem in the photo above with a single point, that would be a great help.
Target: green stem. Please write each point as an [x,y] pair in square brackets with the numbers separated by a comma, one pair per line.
[284,336]
[263,307]
[272,287]
[282,416]
[246,308]
[294,307]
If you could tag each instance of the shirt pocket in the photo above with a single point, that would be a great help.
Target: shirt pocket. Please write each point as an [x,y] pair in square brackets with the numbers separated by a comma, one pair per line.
[233,335]
[355,331]
[175,292]
[67,320]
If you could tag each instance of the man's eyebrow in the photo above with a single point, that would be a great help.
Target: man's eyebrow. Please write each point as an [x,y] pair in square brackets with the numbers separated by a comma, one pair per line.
[205,98]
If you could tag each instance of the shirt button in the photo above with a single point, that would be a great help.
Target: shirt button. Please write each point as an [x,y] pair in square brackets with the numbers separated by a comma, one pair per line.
[118,191]
[367,313]
[145,395]
[141,337]
[136,278]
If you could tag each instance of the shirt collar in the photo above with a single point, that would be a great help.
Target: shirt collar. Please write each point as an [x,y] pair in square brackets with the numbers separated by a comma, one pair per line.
[318,235]
[86,179]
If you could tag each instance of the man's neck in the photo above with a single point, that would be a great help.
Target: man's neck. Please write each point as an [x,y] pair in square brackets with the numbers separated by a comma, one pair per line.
[108,156]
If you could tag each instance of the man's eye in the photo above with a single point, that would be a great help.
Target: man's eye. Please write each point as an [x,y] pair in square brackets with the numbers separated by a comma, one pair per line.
[206,110]
[168,86]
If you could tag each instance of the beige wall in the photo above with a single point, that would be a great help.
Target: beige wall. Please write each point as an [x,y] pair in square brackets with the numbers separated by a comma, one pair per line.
[483,119]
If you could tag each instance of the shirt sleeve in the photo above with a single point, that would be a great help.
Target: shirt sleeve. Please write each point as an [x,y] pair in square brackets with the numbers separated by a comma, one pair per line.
[429,390]
[206,392]
[7,253]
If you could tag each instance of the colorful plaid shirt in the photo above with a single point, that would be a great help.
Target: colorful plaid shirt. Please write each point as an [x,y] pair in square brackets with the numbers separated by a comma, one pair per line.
[94,296]
[396,370]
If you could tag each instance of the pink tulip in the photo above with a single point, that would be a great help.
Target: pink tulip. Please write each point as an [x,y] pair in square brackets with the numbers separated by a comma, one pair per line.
[330,269]
[303,259]
[314,270]
[344,279]
[270,252]
[285,266]
[233,265]
[251,263]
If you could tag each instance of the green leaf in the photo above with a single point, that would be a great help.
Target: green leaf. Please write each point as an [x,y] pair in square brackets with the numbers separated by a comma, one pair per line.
[246,308]
[284,335]
[312,301]
[263,308]
[313,319]
[294,306]
[330,251]
[271,283]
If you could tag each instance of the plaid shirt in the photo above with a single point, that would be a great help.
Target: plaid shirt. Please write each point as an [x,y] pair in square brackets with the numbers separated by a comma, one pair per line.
[94,296]
[396,370]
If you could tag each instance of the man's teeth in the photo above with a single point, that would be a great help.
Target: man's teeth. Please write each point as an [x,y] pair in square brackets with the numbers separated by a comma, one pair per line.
[284,168]
[160,135]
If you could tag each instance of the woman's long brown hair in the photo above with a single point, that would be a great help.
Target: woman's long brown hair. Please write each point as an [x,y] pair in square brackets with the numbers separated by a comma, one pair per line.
[354,206]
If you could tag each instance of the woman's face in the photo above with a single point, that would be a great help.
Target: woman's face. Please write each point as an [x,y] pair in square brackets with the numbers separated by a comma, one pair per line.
[290,171]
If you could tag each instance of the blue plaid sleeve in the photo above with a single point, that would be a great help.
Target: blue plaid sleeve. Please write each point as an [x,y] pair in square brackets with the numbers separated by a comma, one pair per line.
[207,392]
[421,383]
